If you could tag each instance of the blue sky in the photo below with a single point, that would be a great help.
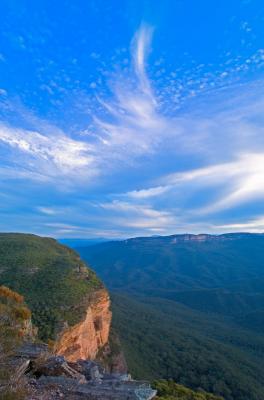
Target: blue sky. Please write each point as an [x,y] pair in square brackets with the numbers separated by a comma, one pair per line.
[126,118]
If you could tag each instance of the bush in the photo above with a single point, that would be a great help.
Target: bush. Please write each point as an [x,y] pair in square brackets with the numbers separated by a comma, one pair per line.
[13,315]
[170,390]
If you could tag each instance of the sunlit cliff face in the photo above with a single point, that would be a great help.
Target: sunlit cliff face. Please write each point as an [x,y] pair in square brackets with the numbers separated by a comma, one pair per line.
[84,340]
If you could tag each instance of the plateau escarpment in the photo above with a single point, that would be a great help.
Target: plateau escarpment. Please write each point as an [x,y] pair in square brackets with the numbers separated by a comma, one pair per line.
[194,303]
[69,304]
[71,310]
[29,370]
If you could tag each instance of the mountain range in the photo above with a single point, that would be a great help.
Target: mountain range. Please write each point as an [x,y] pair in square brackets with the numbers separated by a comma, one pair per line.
[189,308]
[186,311]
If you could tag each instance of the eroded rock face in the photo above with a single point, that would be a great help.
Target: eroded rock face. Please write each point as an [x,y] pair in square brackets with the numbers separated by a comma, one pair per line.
[52,377]
[84,340]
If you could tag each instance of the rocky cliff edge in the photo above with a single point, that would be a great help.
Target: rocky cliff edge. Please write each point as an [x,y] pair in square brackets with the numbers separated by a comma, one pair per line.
[85,339]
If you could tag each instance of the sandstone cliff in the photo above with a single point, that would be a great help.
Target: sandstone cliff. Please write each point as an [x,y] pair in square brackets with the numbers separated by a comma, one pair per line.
[85,339]
[69,303]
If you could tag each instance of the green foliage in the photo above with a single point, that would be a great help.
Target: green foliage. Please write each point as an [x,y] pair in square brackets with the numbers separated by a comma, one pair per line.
[190,311]
[14,324]
[56,284]
[229,272]
[169,390]
[163,339]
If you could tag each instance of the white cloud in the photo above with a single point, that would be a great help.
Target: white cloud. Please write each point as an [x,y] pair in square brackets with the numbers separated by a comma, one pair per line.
[146,193]
[133,126]
[122,206]
[134,130]
[47,210]
[253,225]
[239,181]
[220,135]
[140,216]
[142,45]
[47,154]
[61,225]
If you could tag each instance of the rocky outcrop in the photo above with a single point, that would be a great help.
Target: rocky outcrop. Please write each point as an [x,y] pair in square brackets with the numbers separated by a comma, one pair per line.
[52,377]
[53,388]
[85,339]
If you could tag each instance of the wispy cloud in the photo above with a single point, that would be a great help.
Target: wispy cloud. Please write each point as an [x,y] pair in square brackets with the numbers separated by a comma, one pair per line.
[46,154]
[147,193]
[252,225]
[61,225]
[130,128]
[235,182]
[139,168]
[132,125]
[139,216]
[142,42]
[47,210]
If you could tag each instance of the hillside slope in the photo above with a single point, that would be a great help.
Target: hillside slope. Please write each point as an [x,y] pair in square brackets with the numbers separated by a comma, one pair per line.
[163,339]
[178,262]
[223,274]
[66,298]
[30,370]
[194,303]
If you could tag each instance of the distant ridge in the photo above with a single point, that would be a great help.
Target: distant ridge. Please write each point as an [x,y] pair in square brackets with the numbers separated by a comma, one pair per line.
[78,242]
[178,262]
[175,238]
[199,237]
[189,306]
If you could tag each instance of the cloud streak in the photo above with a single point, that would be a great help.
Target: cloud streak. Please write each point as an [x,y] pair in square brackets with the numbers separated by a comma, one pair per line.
[142,47]
[138,168]
[140,216]
[48,155]
[239,181]
[135,129]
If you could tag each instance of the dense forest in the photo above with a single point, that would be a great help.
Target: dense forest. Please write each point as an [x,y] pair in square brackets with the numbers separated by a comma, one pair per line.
[189,310]
[162,339]
[51,276]
[207,337]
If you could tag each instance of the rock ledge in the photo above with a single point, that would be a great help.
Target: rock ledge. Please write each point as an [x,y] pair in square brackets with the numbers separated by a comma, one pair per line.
[52,377]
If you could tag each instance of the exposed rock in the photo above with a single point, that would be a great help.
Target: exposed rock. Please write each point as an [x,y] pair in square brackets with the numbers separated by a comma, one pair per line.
[32,351]
[90,369]
[53,378]
[84,320]
[203,237]
[84,340]
[19,368]
[108,390]
[57,366]
[111,355]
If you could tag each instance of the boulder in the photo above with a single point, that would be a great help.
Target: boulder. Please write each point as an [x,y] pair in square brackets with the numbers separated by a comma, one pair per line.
[58,366]
[90,369]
